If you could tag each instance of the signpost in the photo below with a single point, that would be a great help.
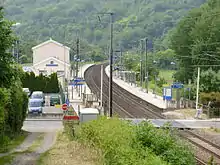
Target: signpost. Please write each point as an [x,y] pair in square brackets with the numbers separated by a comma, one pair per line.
[167,93]
[177,86]
[64,107]
[67,102]
[70,115]
[77,82]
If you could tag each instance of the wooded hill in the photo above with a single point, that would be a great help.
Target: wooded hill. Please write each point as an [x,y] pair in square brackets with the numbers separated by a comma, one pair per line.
[64,19]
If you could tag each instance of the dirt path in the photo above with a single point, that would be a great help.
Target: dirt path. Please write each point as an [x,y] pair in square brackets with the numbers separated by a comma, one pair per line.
[25,144]
[31,158]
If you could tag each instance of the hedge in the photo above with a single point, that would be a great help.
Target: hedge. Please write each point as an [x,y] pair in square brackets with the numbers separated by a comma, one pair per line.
[47,84]
[13,108]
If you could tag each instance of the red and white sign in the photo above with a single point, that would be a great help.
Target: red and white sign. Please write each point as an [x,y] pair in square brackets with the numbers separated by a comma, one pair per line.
[67,117]
[64,107]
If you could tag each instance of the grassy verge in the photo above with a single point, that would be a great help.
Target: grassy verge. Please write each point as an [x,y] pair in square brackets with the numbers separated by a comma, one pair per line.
[13,143]
[6,159]
[122,143]
[36,143]
[69,152]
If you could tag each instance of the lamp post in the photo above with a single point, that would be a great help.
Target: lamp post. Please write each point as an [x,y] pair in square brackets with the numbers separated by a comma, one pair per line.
[111,61]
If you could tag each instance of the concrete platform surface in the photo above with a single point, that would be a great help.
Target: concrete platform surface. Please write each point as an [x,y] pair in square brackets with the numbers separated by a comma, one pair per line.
[149,97]
[193,124]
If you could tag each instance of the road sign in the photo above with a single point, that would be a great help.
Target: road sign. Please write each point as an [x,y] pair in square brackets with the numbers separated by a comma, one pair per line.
[67,102]
[77,82]
[64,107]
[71,115]
[177,85]
[167,93]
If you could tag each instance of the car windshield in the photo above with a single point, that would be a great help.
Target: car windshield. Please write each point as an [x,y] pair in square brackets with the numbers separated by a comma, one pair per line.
[36,97]
[35,104]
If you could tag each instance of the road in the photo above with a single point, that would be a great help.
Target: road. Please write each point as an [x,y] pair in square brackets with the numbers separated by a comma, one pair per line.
[42,126]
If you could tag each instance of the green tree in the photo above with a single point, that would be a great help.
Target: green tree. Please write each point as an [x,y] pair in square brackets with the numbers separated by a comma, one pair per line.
[196,40]
[6,41]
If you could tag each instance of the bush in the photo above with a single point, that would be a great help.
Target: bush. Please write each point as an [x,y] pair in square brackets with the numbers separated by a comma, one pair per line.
[163,143]
[13,108]
[123,143]
[47,84]
[214,97]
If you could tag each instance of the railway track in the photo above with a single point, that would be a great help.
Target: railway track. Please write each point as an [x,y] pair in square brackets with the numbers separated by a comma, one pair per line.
[127,105]
[131,105]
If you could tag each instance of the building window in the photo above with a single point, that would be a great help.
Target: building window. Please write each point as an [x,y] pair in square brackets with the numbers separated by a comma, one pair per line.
[51,62]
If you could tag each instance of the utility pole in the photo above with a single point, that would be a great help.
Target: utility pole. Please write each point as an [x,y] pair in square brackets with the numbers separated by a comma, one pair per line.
[121,58]
[141,66]
[101,87]
[146,68]
[197,88]
[77,57]
[111,61]
[64,58]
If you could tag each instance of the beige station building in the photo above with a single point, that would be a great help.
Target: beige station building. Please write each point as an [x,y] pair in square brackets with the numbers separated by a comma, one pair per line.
[50,57]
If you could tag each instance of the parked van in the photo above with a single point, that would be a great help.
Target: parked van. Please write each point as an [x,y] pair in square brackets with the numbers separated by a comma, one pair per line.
[38,95]
[35,106]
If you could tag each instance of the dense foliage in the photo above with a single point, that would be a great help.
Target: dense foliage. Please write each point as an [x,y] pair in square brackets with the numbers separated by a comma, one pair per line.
[64,20]
[123,143]
[196,41]
[47,84]
[13,101]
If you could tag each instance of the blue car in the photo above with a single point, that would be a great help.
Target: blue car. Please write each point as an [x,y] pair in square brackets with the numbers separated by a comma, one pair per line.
[35,106]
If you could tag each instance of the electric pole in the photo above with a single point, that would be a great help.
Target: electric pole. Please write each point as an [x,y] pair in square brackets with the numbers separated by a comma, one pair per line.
[146,68]
[121,58]
[197,88]
[141,66]
[111,61]
[77,57]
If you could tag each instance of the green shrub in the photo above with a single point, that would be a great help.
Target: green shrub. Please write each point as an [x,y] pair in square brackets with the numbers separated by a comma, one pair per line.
[47,84]
[163,143]
[123,143]
[117,141]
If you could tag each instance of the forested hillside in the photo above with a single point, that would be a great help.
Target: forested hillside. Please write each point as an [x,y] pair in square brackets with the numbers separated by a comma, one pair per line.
[64,19]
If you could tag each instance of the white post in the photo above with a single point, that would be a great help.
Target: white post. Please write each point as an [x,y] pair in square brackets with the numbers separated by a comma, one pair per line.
[197,88]
[101,84]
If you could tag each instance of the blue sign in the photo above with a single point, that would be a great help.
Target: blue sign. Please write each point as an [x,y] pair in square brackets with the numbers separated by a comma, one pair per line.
[188,89]
[177,85]
[51,64]
[167,93]
[77,82]
[67,102]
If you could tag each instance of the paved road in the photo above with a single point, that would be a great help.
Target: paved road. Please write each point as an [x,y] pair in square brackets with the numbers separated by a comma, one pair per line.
[42,126]
[52,109]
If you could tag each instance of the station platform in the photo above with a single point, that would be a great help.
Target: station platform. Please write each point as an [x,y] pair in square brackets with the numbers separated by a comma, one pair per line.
[180,124]
[149,97]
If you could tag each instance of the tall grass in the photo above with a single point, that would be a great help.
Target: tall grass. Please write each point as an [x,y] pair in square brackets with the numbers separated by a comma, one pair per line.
[122,143]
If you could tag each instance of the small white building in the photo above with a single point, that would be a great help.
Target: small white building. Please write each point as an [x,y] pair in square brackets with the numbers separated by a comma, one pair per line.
[50,57]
